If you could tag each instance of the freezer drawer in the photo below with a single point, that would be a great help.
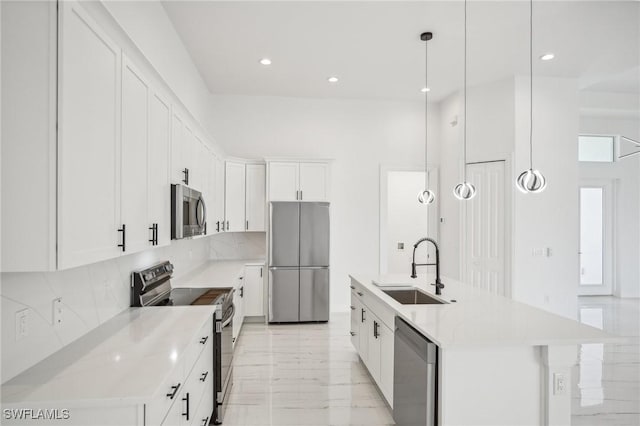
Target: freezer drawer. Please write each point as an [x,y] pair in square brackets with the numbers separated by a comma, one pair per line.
[284,294]
[285,234]
[314,234]
[314,294]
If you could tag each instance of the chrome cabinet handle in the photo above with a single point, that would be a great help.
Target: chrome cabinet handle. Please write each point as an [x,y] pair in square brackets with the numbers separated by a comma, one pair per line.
[352,333]
[175,388]
[185,172]
[362,317]
[204,376]
[301,195]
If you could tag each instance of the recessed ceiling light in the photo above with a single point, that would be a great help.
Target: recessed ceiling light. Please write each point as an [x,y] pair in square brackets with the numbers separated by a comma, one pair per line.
[265,61]
[332,79]
[547,56]
[425,89]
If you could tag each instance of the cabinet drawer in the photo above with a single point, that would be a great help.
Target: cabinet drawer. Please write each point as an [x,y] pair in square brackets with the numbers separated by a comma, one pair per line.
[201,378]
[357,291]
[205,410]
[167,395]
[203,339]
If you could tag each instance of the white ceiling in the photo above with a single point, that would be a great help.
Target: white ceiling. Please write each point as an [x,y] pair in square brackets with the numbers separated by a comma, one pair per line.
[374,47]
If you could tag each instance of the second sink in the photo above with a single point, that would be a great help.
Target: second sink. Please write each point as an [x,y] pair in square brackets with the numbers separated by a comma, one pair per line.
[413,297]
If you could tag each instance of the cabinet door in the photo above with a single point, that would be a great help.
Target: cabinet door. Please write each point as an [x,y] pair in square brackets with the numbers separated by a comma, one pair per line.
[314,181]
[386,362]
[238,316]
[134,158]
[363,332]
[88,141]
[219,198]
[234,197]
[199,166]
[283,181]
[373,339]
[210,194]
[178,143]
[159,150]
[254,291]
[255,197]
[188,152]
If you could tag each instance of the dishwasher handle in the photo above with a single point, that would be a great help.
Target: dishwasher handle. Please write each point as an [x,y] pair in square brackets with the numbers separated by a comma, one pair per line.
[424,347]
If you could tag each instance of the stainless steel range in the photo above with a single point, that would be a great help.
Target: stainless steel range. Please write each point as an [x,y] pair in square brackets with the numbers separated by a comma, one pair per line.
[152,287]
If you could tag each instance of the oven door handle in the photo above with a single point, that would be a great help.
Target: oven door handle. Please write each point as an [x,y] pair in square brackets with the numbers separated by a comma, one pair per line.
[230,318]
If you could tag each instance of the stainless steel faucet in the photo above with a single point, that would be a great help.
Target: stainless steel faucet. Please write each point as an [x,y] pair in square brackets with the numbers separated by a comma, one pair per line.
[438,283]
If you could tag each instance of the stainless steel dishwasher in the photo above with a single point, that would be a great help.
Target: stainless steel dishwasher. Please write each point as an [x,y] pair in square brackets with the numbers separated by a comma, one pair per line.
[415,377]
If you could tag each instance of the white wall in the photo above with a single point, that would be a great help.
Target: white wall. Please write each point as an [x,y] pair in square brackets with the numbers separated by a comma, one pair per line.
[626,174]
[548,219]
[358,135]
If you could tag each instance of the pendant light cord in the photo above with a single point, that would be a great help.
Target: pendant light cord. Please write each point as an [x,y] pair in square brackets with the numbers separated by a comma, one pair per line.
[426,113]
[464,155]
[531,84]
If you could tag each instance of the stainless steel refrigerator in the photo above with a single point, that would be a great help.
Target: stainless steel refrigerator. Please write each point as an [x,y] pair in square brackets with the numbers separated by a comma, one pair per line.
[299,262]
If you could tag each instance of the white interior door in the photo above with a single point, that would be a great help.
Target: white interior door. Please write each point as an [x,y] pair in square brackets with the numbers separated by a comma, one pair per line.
[596,238]
[485,228]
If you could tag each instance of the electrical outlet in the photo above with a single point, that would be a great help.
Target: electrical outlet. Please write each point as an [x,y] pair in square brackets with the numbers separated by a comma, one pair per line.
[22,323]
[57,312]
[559,384]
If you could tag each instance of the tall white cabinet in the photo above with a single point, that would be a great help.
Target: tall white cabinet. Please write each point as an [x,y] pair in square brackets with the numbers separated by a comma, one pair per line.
[159,207]
[89,141]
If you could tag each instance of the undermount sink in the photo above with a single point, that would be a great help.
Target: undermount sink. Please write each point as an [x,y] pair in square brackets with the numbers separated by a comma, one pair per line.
[413,297]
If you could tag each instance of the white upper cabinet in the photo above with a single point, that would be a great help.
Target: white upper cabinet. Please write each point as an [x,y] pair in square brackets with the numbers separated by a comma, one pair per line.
[234,197]
[219,195]
[88,141]
[178,167]
[159,149]
[298,181]
[255,197]
[134,164]
[283,181]
[314,182]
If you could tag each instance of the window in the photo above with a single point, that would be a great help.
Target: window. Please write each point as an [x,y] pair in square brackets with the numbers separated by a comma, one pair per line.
[595,148]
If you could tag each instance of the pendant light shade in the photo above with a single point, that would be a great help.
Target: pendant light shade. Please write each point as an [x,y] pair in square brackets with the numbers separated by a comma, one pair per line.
[465,190]
[426,196]
[531,180]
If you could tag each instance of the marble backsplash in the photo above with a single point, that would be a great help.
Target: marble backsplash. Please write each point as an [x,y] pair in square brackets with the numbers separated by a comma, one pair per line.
[93,294]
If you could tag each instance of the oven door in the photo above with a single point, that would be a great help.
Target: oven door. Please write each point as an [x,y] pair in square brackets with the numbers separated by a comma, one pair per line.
[224,361]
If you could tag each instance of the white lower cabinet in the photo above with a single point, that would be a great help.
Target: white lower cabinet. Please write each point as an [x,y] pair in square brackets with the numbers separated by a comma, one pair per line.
[372,336]
[238,302]
[254,290]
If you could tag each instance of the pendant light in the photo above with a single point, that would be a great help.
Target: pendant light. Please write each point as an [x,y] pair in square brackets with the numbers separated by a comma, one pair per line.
[465,190]
[531,180]
[426,196]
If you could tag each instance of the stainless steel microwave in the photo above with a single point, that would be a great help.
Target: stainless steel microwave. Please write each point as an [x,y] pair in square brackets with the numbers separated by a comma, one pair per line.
[188,212]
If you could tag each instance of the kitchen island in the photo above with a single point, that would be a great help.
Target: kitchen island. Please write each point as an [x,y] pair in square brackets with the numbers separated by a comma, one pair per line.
[500,362]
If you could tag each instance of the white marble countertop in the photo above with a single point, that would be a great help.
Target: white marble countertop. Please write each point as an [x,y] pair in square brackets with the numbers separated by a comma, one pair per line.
[479,318]
[216,273]
[125,359]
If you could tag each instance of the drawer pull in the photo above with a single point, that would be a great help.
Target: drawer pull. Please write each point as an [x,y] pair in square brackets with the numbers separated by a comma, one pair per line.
[353,308]
[204,340]
[352,333]
[360,293]
[186,399]
[362,317]
[205,421]
[352,287]
[175,388]
[204,376]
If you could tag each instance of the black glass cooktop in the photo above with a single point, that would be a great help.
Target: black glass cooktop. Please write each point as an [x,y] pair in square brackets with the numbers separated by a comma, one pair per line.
[195,296]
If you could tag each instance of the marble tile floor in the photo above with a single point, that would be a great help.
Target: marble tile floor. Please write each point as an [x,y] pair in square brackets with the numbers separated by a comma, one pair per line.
[606,381]
[309,374]
[302,374]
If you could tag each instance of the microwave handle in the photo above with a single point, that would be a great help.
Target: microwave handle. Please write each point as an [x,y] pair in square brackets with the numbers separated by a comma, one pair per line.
[204,211]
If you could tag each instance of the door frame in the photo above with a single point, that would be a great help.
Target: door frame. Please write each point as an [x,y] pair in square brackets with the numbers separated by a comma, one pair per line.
[508,226]
[434,174]
[608,286]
